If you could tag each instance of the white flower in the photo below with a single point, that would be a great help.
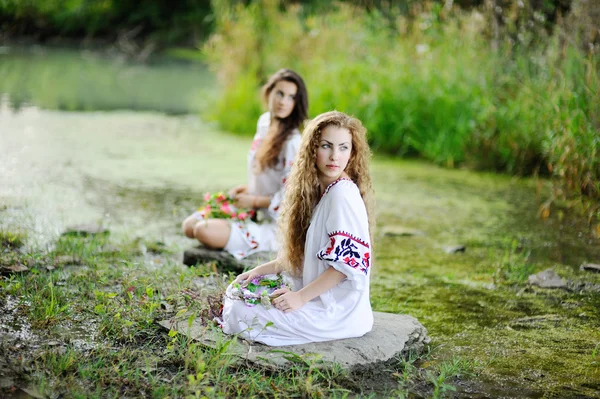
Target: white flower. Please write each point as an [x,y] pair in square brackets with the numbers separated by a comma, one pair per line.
[265,300]
[422,48]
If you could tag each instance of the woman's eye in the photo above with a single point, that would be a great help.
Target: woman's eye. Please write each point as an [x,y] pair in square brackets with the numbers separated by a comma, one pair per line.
[325,146]
[343,148]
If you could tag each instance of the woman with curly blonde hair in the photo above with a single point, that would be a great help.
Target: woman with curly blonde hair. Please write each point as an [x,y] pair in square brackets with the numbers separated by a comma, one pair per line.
[325,227]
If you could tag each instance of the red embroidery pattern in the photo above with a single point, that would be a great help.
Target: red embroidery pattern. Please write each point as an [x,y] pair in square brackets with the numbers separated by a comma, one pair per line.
[343,248]
[333,184]
[343,233]
[249,237]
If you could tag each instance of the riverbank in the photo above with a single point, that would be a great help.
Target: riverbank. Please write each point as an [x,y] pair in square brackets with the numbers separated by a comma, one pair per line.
[87,306]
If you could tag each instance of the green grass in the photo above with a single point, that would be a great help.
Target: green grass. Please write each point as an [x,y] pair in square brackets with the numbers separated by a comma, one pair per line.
[489,328]
[111,301]
[9,239]
[130,354]
[514,266]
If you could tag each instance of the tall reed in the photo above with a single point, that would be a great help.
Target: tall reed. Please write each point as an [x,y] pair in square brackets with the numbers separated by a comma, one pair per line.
[431,85]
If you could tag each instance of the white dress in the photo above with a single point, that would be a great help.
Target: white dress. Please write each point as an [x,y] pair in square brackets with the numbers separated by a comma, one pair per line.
[248,237]
[338,236]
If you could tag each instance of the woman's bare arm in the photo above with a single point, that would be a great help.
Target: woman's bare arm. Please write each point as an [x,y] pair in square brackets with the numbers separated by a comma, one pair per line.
[290,300]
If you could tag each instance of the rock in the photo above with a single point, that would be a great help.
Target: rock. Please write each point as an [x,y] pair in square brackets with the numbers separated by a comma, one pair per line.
[85,230]
[32,392]
[547,279]
[583,286]
[166,306]
[66,260]
[592,267]
[224,261]
[400,231]
[393,336]
[16,268]
[6,383]
[452,249]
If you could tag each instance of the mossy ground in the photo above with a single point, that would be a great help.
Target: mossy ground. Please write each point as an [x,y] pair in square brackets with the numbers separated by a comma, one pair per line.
[477,304]
[87,307]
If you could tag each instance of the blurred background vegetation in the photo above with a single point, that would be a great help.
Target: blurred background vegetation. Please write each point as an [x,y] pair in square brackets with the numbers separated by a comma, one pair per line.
[503,85]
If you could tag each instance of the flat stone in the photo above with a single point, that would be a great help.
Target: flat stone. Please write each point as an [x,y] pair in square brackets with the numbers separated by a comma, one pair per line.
[592,267]
[453,249]
[6,382]
[393,336]
[16,268]
[85,230]
[223,260]
[400,231]
[547,279]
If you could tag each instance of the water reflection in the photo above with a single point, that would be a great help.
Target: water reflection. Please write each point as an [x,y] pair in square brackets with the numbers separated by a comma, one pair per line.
[84,80]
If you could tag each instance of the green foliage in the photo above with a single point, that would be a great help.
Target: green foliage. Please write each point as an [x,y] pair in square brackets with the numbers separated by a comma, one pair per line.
[10,239]
[160,19]
[431,85]
[48,302]
[514,266]
[59,363]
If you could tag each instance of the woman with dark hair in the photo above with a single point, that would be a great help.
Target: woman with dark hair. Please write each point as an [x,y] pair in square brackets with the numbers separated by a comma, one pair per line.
[270,159]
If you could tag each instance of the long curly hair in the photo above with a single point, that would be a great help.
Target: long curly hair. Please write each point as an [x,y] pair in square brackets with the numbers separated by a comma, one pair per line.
[268,152]
[303,190]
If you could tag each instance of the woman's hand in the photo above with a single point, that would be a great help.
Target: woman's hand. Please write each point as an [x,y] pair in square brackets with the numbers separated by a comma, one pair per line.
[245,278]
[245,200]
[241,189]
[287,301]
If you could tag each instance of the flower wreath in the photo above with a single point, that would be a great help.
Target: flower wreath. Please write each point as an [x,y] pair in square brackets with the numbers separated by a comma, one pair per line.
[220,206]
[259,290]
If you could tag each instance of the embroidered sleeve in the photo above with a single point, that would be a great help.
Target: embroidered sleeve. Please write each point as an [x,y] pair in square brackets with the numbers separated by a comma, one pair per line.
[288,155]
[348,249]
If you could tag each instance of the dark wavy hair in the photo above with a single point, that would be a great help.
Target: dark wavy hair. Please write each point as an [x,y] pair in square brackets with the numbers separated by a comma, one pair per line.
[269,150]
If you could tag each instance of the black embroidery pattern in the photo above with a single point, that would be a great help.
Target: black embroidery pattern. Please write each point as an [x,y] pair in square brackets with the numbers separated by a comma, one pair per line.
[344,247]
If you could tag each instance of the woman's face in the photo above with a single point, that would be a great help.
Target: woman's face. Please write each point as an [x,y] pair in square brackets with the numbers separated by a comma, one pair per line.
[333,153]
[282,99]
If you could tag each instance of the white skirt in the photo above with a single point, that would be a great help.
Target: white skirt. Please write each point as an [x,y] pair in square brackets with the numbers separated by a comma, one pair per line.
[248,237]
